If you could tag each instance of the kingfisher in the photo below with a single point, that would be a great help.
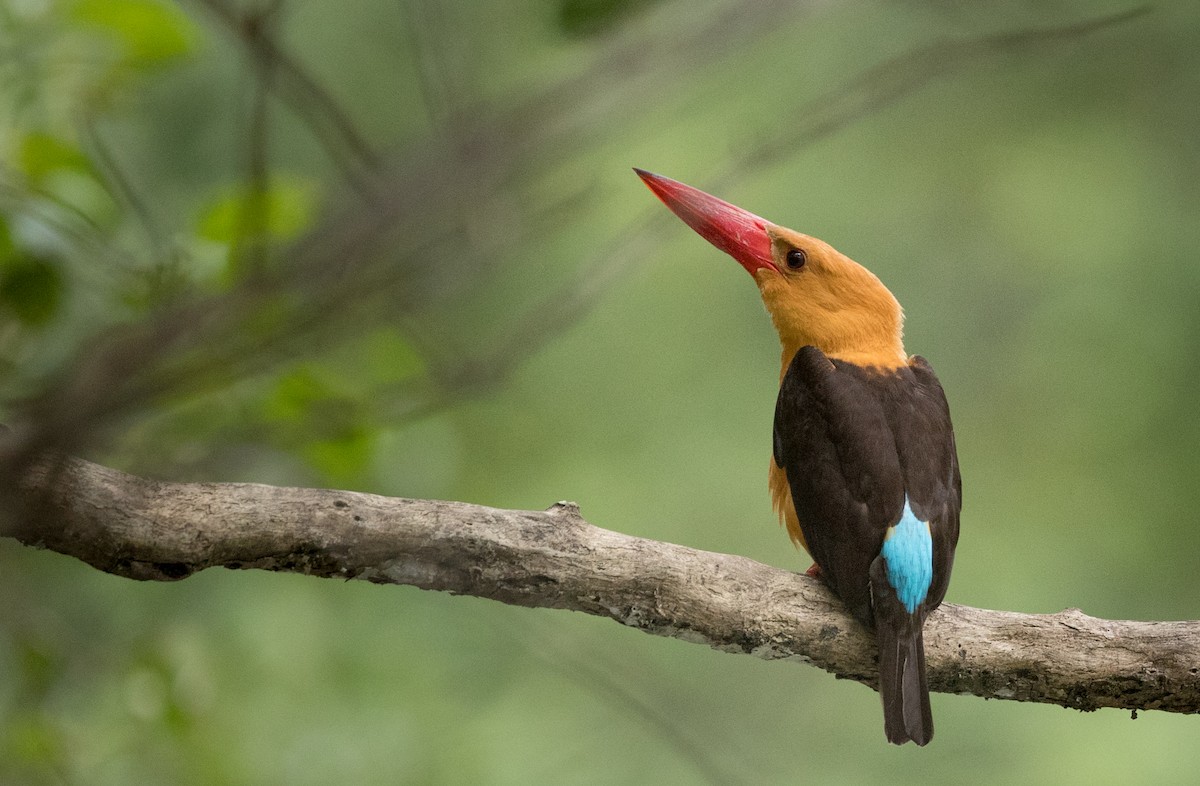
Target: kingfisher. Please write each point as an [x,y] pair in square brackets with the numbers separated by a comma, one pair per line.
[864,473]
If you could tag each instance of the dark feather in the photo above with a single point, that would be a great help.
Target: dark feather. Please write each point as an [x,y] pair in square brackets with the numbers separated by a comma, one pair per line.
[855,443]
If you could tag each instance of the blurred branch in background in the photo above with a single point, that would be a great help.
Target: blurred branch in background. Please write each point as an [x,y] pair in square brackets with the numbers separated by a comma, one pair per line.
[406,249]
[147,530]
[345,145]
[881,85]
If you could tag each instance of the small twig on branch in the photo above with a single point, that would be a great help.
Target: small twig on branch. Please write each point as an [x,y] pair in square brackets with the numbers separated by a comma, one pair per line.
[143,529]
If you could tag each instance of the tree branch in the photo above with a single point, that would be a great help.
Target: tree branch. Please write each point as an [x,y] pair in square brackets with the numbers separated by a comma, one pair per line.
[144,529]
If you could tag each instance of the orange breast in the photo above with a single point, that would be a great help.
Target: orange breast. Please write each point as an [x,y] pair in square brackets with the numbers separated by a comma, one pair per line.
[781,499]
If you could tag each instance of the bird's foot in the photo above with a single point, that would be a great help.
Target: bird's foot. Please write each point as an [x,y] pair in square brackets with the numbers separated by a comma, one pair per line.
[814,571]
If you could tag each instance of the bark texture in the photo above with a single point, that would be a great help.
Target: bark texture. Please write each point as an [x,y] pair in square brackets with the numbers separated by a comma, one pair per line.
[149,530]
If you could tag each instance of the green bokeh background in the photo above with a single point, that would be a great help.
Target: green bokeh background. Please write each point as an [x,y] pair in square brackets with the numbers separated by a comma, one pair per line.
[1035,211]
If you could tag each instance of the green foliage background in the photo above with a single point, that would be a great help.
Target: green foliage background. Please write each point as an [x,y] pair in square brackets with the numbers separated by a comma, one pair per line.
[1035,212]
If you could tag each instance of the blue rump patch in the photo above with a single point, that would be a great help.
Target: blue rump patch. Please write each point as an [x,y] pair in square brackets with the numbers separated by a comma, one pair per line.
[908,549]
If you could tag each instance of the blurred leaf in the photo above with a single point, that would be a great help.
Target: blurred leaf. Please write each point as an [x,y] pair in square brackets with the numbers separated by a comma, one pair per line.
[33,742]
[61,171]
[289,204]
[294,395]
[41,154]
[40,665]
[31,287]
[387,356]
[150,32]
[325,425]
[589,17]
[345,457]
[6,244]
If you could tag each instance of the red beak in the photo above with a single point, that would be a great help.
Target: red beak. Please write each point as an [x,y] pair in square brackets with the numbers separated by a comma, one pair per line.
[739,233]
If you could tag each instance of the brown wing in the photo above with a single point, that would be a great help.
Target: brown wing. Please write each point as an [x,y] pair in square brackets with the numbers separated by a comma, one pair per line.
[853,443]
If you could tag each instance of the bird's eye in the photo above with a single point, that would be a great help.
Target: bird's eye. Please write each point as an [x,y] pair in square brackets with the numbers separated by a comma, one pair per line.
[795,259]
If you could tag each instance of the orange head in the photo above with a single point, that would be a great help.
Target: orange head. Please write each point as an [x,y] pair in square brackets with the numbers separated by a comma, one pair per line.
[815,294]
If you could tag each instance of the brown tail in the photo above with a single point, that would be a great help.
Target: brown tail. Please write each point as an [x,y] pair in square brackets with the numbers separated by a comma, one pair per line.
[906,712]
